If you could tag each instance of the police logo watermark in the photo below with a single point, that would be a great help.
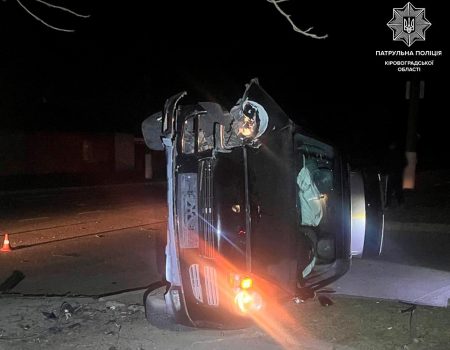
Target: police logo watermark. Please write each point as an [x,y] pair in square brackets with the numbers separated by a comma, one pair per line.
[408,24]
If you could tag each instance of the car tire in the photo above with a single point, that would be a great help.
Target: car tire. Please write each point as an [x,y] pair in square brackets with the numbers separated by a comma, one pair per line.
[160,256]
[155,306]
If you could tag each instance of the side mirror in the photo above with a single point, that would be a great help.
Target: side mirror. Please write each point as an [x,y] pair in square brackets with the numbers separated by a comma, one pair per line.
[151,130]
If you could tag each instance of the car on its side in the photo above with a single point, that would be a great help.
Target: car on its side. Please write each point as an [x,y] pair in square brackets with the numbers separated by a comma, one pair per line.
[259,209]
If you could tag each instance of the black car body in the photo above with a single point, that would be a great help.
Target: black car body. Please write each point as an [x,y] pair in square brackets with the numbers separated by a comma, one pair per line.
[260,210]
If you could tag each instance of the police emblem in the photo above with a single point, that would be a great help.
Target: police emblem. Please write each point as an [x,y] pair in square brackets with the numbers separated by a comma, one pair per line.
[408,24]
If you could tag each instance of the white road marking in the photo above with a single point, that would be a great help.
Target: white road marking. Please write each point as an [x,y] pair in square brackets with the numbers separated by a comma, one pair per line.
[91,212]
[39,218]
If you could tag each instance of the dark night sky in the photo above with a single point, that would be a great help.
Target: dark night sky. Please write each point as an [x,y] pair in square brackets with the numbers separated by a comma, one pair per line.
[121,64]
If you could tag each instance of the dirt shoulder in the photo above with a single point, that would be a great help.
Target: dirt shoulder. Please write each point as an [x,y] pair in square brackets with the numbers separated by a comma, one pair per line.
[118,322]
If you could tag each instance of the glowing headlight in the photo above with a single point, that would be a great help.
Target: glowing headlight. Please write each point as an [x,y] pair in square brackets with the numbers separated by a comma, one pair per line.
[245,298]
[246,283]
[247,127]
[250,120]
[248,301]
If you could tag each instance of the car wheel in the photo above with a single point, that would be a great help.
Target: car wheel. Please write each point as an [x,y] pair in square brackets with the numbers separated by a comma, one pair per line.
[155,306]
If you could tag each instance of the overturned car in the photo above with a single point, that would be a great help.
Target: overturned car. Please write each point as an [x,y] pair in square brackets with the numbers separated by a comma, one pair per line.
[259,209]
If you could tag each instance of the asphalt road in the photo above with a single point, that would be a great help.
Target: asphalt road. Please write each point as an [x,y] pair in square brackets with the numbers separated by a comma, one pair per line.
[101,240]
[89,241]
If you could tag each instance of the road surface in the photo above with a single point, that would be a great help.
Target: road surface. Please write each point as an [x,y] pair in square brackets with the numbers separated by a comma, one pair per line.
[83,242]
[102,240]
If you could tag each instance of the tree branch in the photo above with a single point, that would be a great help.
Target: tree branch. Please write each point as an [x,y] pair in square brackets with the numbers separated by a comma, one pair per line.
[294,27]
[56,7]
[63,9]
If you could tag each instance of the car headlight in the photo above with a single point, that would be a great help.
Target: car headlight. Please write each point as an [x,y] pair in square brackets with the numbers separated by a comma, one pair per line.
[245,298]
[248,301]
[247,127]
[250,120]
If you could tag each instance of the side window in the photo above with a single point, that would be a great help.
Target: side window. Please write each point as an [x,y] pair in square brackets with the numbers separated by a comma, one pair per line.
[198,135]
[188,138]
[315,180]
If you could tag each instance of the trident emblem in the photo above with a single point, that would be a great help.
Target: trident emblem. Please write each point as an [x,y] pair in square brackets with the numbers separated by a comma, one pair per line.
[408,24]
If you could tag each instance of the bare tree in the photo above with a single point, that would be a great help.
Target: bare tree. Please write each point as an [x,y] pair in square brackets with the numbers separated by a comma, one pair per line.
[61,8]
[306,32]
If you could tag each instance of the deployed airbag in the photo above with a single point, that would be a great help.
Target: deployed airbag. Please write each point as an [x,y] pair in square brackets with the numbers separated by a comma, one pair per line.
[311,207]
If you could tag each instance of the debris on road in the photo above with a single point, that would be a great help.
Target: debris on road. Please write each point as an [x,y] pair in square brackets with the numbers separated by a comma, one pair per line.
[29,323]
[110,304]
[324,300]
[136,308]
[12,281]
[49,315]
[67,310]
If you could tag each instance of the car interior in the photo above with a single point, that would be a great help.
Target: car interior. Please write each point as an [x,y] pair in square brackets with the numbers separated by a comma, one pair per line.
[316,200]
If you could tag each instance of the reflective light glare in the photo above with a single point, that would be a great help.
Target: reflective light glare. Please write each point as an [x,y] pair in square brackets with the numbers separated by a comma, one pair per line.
[246,131]
[263,308]
[234,280]
[218,233]
[247,127]
[248,301]
[246,283]
[359,216]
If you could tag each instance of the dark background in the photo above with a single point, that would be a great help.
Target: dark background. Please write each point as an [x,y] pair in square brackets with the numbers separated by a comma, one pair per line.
[124,61]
